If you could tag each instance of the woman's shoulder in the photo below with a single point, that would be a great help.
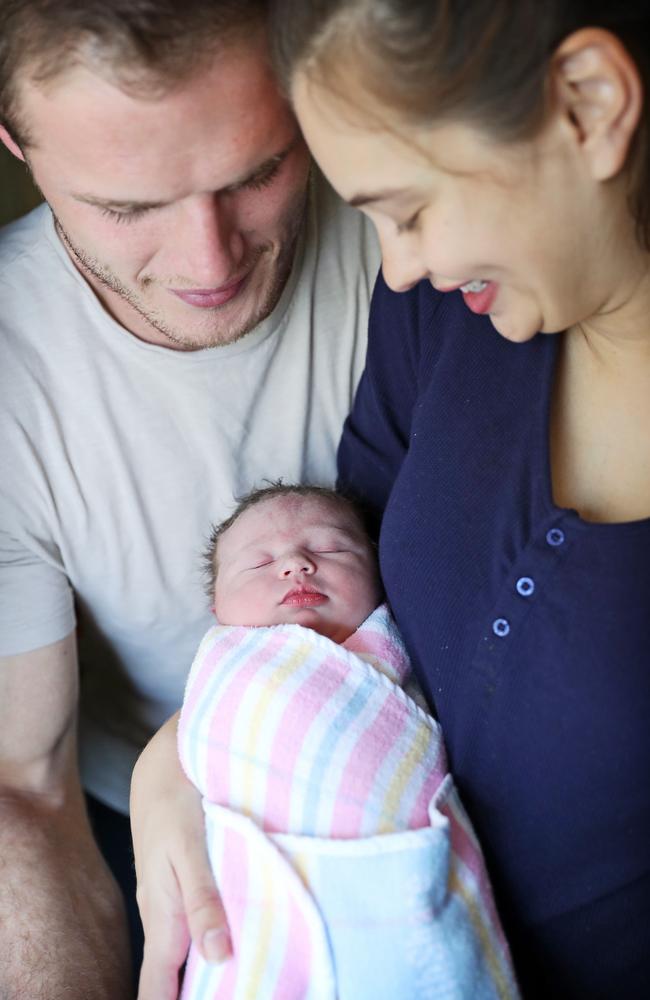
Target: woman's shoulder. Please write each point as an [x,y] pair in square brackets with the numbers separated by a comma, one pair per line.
[412,311]
[409,331]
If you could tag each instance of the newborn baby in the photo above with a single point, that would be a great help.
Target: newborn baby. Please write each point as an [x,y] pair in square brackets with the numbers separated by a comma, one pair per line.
[346,864]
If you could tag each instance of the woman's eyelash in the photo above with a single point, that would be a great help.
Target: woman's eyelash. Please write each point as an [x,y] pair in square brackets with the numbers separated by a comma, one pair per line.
[409,225]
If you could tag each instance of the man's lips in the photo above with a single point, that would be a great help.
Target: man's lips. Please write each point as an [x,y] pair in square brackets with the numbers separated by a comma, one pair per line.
[302,597]
[208,298]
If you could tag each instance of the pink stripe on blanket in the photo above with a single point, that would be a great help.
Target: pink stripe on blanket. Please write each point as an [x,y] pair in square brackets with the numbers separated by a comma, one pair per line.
[212,660]
[366,757]
[296,972]
[234,888]
[386,647]
[465,847]
[259,931]
[430,786]
[307,703]
[217,778]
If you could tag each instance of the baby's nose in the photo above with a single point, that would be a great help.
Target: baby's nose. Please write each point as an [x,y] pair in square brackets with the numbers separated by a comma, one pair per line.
[298,562]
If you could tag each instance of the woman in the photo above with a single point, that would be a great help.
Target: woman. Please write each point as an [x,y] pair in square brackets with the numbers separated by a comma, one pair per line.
[501,148]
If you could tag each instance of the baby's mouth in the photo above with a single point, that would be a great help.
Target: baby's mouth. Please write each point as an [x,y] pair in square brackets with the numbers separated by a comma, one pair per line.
[303,597]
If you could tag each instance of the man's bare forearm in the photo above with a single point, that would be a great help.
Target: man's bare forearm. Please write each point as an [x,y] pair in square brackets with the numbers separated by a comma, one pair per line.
[62,922]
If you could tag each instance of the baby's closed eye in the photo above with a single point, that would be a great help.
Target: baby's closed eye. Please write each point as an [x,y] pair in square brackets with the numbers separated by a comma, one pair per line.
[260,562]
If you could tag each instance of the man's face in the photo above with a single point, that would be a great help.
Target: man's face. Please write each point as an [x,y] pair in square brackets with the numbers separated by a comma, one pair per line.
[180,210]
[296,560]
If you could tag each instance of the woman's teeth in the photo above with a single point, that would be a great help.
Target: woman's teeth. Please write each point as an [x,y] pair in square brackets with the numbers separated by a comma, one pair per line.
[474,286]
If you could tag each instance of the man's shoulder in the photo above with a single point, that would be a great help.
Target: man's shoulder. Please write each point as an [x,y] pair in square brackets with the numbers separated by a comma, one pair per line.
[41,300]
[342,233]
[24,237]
[34,276]
[326,303]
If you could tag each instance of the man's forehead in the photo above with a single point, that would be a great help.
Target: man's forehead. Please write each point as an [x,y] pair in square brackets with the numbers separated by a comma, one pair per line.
[145,68]
[87,85]
[207,133]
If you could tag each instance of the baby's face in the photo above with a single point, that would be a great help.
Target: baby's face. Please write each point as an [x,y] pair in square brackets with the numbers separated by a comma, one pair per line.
[296,560]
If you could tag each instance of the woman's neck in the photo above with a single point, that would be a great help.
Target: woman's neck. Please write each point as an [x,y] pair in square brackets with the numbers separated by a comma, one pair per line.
[618,334]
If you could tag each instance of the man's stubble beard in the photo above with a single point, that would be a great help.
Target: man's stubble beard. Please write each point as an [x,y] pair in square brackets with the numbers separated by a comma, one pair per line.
[270,294]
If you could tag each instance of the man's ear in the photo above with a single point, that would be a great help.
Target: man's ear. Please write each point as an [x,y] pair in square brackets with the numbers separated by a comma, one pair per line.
[599,91]
[11,144]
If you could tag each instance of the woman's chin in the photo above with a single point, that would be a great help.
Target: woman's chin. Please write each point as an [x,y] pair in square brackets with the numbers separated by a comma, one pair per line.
[514,328]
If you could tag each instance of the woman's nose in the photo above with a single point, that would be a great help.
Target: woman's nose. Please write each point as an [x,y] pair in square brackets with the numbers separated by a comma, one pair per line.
[297,563]
[402,266]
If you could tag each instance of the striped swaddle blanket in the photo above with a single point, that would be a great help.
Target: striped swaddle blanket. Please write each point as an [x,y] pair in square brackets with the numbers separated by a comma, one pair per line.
[320,776]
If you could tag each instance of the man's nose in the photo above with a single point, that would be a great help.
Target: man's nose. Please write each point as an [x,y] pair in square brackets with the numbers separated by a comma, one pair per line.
[209,245]
[297,563]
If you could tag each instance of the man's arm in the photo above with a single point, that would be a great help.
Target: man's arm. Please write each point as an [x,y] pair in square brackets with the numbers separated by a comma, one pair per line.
[62,923]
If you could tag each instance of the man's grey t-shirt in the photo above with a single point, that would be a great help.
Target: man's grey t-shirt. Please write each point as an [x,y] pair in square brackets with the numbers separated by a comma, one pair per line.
[117,455]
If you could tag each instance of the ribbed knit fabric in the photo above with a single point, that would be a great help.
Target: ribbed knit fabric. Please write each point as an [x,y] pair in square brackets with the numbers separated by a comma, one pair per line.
[319,742]
[528,628]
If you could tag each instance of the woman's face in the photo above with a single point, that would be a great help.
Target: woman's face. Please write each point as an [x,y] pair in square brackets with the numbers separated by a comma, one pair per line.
[523,229]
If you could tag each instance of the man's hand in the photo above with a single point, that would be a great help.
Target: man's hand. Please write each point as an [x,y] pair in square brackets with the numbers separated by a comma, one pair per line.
[177,896]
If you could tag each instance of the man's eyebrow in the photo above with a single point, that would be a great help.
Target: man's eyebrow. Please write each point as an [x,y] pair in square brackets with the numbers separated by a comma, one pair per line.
[265,168]
[117,203]
[130,205]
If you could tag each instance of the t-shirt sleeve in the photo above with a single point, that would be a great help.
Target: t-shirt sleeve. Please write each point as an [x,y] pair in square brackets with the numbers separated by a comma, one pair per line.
[36,601]
[376,435]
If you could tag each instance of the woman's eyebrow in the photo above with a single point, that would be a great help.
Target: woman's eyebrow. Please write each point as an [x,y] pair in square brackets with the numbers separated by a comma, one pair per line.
[366,199]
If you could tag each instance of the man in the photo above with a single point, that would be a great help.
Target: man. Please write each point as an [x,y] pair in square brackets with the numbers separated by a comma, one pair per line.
[186,318]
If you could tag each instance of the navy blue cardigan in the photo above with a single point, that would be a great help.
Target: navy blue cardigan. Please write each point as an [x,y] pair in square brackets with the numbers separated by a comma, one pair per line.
[529,630]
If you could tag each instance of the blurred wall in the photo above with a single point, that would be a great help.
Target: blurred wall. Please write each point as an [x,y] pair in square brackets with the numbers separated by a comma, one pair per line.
[17,193]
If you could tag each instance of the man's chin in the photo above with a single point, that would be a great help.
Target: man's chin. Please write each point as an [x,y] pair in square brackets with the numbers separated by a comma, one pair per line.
[191,328]
[196,337]
[196,327]
[155,315]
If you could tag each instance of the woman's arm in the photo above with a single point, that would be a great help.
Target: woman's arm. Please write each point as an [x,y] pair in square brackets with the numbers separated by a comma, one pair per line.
[177,896]
[377,433]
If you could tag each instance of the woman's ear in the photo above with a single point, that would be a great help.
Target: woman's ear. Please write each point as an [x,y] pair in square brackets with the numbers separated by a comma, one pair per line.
[11,144]
[598,90]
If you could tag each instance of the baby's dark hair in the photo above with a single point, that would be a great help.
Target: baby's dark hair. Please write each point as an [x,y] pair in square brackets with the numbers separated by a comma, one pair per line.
[270,492]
